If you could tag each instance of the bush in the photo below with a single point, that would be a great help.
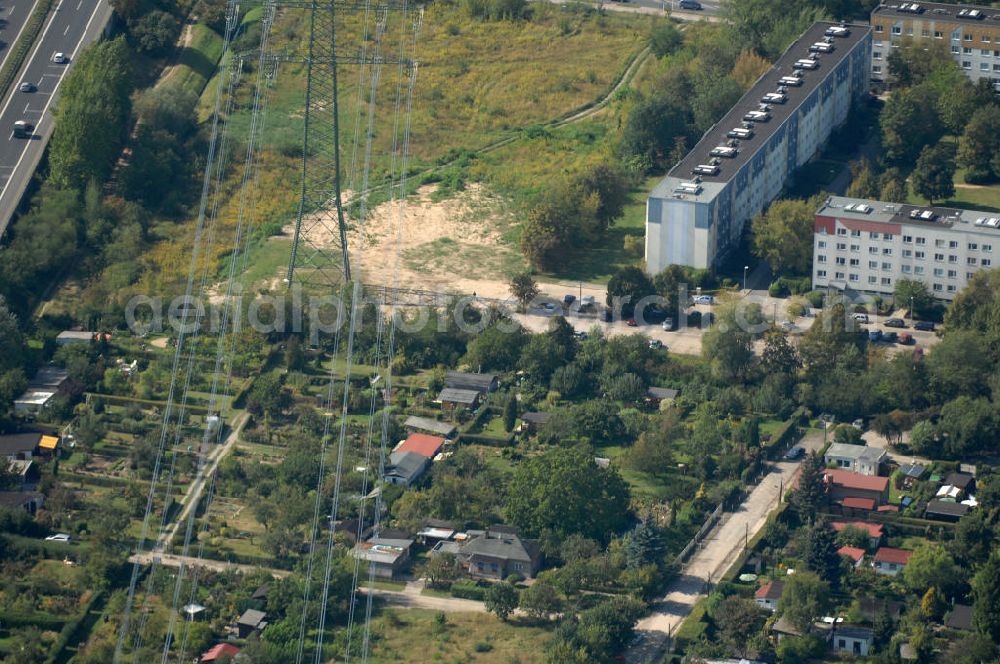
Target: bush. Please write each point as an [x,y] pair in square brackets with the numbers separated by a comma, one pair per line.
[816,299]
[155,32]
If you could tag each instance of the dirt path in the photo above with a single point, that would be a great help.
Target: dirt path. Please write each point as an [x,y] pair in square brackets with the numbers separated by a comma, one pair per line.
[717,553]
[193,494]
[182,42]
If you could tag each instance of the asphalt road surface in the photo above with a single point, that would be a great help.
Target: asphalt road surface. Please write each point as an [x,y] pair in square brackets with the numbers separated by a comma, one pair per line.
[715,555]
[13,18]
[72,25]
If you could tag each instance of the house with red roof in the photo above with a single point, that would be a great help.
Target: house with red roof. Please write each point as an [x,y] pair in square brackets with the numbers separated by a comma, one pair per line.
[768,595]
[891,561]
[874,530]
[422,444]
[218,651]
[846,484]
[852,553]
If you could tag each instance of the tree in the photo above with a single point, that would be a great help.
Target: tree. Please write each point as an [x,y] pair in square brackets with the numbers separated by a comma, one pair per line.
[804,598]
[967,425]
[931,566]
[907,125]
[979,145]
[523,287]
[654,128]
[911,62]
[441,570]
[643,545]
[628,388]
[496,349]
[501,599]
[155,32]
[811,491]
[779,356]
[91,115]
[959,364]
[972,649]
[510,414]
[713,97]
[986,598]
[934,175]
[738,619]
[749,67]
[564,492]
[864,183]
[607,186]
[546,234]
[628,286]
[892,186]
[540,600]
[913,295]
[783,236]
[664,39]
[821,552]
[728,344]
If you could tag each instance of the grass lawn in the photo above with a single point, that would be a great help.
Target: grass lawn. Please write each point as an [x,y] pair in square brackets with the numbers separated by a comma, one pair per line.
[967,196]
[412,635]
[197,61]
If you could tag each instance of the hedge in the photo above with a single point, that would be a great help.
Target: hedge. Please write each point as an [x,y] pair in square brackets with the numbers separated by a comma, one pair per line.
[693,627]
[72,629]
[468,590]
[785,434]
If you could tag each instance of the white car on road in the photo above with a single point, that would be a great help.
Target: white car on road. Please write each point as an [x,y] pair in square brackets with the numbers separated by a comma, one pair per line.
[59,58]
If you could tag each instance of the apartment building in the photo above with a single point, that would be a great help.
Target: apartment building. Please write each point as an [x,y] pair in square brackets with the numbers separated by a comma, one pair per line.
[867,246]
[971,32]
[696,214]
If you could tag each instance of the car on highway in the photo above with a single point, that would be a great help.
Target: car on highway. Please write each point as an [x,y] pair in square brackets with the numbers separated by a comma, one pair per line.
[795,453]
[58,537]
[924,326]
[59,58]
[894,322]
[27,86]
[693,5]
[23,129]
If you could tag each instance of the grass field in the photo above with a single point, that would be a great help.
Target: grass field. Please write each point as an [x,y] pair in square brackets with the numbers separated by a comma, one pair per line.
[197,61]
[413,635]
[967,196]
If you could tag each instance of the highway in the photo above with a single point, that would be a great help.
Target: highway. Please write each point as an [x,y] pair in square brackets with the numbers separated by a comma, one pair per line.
[13,18]
[71,26]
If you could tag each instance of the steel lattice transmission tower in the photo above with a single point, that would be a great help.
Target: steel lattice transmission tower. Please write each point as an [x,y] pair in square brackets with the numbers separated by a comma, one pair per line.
[321,210]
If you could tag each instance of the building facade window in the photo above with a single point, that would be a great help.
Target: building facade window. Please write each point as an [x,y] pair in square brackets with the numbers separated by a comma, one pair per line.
[820,273]
[921,240]
[907,239]
[907,253]
[966,64]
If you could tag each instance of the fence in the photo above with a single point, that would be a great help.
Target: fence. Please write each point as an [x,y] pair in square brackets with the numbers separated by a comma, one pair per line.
[710,522]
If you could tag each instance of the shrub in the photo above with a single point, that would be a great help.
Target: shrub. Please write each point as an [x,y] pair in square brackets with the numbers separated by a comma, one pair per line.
[815,299]
[468,590]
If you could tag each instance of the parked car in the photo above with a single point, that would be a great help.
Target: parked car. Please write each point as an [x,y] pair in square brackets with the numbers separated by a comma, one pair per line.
[890,337]
[669,325]
[703,299]
[895,322]
[606,316]
[655,344]
[631,323]
[582,336]
[58,537]
[692,5]
[924,326]
[874,335]
[548,306]
[795,453]
[860,318]
[786,325]
[905,339]
[569,299]
[858,424]
[587,301]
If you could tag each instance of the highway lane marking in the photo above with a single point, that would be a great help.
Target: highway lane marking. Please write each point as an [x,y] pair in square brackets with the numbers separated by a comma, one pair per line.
[78,5]
[18,35]
[31,59]
[66,31]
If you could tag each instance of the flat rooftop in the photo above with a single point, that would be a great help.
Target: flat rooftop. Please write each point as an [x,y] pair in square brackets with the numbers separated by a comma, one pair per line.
[927,11]
[751,101]
[987,223]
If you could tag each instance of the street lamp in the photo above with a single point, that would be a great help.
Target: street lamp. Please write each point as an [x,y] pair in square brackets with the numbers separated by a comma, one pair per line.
[745,268]
[912,318]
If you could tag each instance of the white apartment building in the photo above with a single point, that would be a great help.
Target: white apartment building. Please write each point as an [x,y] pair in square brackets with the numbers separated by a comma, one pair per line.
[972,33]
[867,246]
[696,214]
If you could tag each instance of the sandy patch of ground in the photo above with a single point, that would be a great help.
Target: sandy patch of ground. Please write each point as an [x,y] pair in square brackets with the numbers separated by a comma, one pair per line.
[454,245]
[159,342]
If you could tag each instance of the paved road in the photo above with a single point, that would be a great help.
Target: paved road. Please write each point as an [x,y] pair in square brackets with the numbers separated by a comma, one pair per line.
[717,553]
[13,18]
[71,25]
